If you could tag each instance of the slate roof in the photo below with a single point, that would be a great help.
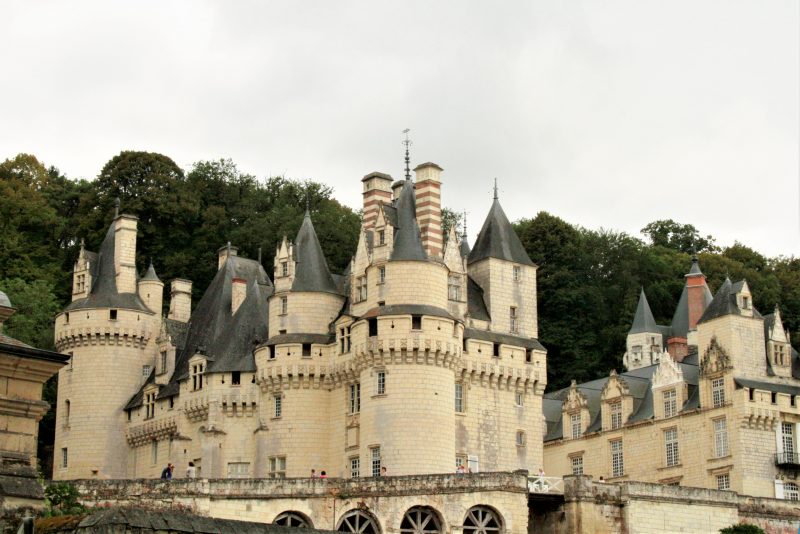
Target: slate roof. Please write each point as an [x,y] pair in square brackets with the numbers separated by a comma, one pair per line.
[322,339]
[639,382]
[8,340]
[407,241]
[407,309]
[476,305]
[724,302]
[104,283]
[150,275]
[463,247]
[228,339]
[177,330]
[497,239]
[767,386]
[311,271]
[506,339]
[643,320]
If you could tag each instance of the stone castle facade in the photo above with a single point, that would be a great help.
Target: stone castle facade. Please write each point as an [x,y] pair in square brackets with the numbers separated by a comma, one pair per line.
[709,401]
[421,358]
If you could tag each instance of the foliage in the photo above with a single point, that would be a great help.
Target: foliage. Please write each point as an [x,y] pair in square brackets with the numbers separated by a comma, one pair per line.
[681,237]
[37,306]
[742,528]
[61,498]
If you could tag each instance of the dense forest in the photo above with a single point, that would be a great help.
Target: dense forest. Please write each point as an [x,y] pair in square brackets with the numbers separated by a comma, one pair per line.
[589,280]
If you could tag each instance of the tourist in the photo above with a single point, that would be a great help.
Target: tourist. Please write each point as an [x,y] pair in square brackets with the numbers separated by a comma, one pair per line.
[384,472]
[323,475]
[166,474]
[191,471]
[314,473]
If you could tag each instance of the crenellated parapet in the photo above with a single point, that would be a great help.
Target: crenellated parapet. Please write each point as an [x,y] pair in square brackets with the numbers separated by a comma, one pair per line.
[88,336]
[502,376]
[196,408]
[239,404]
[152,430]
[276,377]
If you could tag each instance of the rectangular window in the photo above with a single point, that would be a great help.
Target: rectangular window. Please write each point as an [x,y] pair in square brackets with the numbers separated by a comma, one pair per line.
[459,398]
[517,273]
[720,438]
[236,378]
[381,237]
[278,405]
[454,287]
[519,398]
[670,403]
[284,305]
[238,469]
[277,467]
[724,482]
[306,350]
[718,392]
[154,452]
[112,314]
[381,385]
[577,465]
[381,274]
[617,461]
[790,491]
[355,467]
[284,268]
[495,350]
[520,438]
[512,316]
[787,437]
[66,318]
[416,322]
[150,405]
[354,404]
[361,289]
[344,339]
[375,455]
[372,326]
[575,424]
[146,370]
[163,367]
[671,447]
[616,414]
[64,458]
[272,352]
[473,464]
[197,376]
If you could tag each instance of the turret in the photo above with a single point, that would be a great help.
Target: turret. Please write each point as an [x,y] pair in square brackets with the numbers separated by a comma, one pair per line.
[645,340]
[500,265]
[151,290]
[693,301]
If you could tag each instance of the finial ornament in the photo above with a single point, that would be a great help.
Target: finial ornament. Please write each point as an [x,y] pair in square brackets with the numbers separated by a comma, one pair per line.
[407,143]
[464,234]
[495,188]
[116,207]
[259,254]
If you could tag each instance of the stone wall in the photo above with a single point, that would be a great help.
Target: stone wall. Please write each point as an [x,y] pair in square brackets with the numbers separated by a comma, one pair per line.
[325,501]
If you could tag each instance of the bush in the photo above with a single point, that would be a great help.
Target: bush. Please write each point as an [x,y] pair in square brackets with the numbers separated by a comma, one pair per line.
[61,498]
[742,528]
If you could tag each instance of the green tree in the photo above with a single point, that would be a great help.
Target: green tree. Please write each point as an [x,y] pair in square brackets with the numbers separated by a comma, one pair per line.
[682,237]
[742,528]
[37,307]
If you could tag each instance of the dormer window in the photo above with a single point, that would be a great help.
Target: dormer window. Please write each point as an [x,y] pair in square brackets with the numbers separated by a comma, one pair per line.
[284,268]
[575,425]
[361,289]
[381,237]
[197,371]
[616,414]
[454,287]
[745,302]
[150,405]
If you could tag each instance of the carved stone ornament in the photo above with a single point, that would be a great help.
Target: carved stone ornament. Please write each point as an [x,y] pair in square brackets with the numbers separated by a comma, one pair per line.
[575,399]
[715,359]
[667,373]
[615,387]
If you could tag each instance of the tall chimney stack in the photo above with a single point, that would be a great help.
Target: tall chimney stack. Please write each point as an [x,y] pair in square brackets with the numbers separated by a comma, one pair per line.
[180,301]
[429,207]
[377,190]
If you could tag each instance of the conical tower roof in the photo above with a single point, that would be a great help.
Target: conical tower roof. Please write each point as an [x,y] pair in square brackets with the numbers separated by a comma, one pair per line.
[311,271]
[407,242]
[150,275]
[463,247]
[497,239]
[643,321]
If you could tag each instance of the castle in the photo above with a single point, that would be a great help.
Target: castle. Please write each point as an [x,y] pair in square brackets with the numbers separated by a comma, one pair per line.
[709,401]
[421,358]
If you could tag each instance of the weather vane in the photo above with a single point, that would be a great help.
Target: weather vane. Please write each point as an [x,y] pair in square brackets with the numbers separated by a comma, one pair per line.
[407,143]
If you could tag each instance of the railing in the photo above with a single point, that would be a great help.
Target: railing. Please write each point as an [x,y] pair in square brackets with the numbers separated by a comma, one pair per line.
[787,459]
[543,484]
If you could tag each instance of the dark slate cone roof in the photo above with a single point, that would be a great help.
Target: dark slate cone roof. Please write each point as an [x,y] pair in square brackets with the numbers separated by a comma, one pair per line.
[311,272]
[407,242]
[643,321]
[463,247]
[150,275]
[104,283]
[497,239]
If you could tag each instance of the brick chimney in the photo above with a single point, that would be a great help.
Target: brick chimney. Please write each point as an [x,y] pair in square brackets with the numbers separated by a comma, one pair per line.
[377,190]
[238,293]
[429,207]
[695,288]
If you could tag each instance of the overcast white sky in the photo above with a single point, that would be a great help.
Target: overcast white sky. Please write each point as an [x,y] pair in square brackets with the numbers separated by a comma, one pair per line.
[606,113]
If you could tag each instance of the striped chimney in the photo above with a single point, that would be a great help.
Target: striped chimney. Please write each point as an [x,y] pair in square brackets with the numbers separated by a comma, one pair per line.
[429,207]
[377,190]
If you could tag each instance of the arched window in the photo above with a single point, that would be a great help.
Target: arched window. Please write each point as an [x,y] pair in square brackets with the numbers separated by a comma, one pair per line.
[358,522]
[482,520]
[293,519]
[421,520]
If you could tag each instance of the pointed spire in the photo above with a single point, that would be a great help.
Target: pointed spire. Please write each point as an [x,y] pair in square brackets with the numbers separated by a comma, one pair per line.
[643,320]
[150,275]
[464,246]
[407,143]
[407,241]
[695,268]
[495,189]
[311,270]
[308,204]
[497,239]
[464,233]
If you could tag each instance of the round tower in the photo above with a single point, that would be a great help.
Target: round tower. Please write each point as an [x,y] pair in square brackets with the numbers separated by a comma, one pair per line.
[107,330]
